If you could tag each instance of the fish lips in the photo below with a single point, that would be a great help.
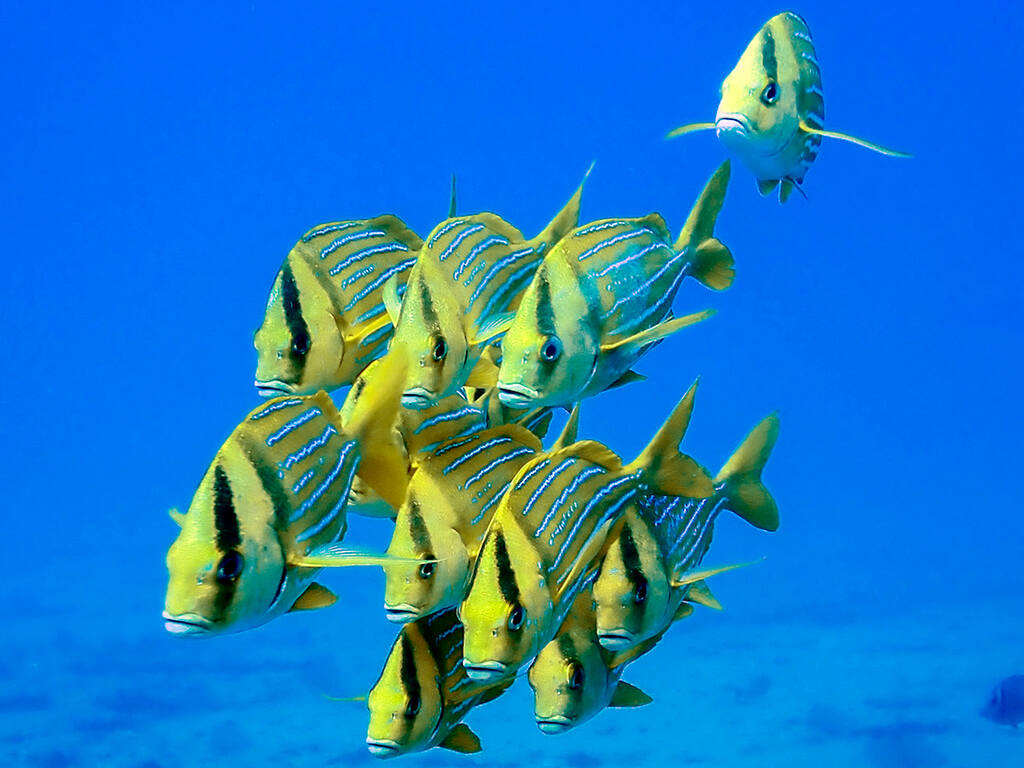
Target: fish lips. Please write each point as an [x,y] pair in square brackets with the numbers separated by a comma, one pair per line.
[401,614]
[383,748]
[273,388]
[616,639]
[554,724]
[517,395]
[485,671]
[417,398]
[187,625]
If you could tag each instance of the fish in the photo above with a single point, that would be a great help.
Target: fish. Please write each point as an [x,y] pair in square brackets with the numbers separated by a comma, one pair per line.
[467,280]
[603,297]
[325,320]
[1006,704]
[650,565]
[772,111]
[423,692]
[547,538]
[574,678]
[274,496]
[452,497]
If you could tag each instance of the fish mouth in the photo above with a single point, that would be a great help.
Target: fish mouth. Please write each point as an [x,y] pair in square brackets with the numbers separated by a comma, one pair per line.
[272,388]
[417,398]
[616,639]
[485,671]
[401,614]
[383,747]
[187,624]
[732,122]
[554,724]
[517,395]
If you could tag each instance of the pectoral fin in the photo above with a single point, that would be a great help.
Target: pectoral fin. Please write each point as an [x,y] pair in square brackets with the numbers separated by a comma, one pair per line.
[700,594]
[658,332]
[682,578]
[392,303]
[627,695]
[854,140]
[336,556]
[461,739]
[629,377]
[766,186]
[683,611]
[484,374]
[493,326]
[315,596]
[177,516]
[682,130]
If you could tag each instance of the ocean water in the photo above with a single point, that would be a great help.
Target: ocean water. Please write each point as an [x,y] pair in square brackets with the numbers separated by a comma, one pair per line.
[159,162]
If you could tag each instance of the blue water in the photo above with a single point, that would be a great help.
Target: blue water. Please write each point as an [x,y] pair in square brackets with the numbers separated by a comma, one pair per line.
[158,163]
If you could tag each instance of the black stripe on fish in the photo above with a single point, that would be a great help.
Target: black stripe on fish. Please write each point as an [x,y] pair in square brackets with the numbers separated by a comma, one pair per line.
[506,576]
[410,683]
[768,61]
[566,647]
[293,317]
[273,487]
[631,557]
[225,520]
[545,310]
[418,528]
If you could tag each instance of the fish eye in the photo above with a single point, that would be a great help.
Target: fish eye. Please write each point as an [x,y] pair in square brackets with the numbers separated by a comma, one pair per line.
[575,676]
[427,570]
[551,349]
[230,566]
[515,618]
[770,94]
[440,350]
[640,593]
[300,344]
[413,707]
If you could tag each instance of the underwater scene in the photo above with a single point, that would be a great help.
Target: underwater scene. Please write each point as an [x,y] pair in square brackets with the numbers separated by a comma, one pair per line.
[512,384]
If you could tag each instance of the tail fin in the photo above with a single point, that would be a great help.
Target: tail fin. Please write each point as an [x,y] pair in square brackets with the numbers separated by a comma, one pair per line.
[663,467]
[567,219]
[710,260]
[372,419]
[744,492]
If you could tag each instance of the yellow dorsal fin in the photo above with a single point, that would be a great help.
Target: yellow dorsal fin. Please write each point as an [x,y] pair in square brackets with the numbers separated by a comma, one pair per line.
[663,467]
[461,739]
[592,451]
[496,224]
[451,200]
[568,436]
[700,224]
[854,140]
[682,130]
[700,593]
[315,596]
[566,219]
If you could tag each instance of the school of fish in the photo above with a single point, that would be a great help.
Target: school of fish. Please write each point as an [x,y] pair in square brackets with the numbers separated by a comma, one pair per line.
[564,563]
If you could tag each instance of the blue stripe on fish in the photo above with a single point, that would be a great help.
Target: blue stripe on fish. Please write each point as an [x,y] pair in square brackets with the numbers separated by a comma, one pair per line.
[275,407]
[458,239]
[328,228]
[309,448]
[374,353]
[321,489]
[327,519]
[292,425]
[352,258]
[451,445]
[334,245]
[611,512]
[360,273]
[599,494]
[568,491]
[632,257]
[599,227]
[498,494]
[302,481]
[379,281]
[612,241]
[475,271]
[444,230]
[544,484]
[668,265]
[372,312]
[700,539]
[498,266]
[441,418]
[515,283]
[483,245]
[470,454]
[483,471]
[380,333]
[537,468]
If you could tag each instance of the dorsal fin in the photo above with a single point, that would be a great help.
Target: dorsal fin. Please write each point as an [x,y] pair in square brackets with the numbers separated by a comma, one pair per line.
[568,436]
[566,219]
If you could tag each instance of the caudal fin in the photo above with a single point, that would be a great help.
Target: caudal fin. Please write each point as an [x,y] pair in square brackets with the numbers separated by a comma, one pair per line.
[744,492]
[710,260]
[663,467]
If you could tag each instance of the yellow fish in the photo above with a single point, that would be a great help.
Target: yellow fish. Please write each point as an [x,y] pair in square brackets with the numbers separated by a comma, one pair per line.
[466,282]
[423,692]
[649,568]
[547,538]
[274,497]
[772,111]
[603,297]
[573,677]
[325,320]
[451,499]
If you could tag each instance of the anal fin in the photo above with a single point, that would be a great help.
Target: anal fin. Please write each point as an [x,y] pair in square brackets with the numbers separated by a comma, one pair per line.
[627,695]
[461,739]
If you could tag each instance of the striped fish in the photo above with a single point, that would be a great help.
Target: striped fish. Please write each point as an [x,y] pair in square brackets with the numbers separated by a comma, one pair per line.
[603,297]
[273,498]
[772,111]
[423,692]
[468,278]
[651,564]
[547,538]
[325,319]
[454,492]
[573,677]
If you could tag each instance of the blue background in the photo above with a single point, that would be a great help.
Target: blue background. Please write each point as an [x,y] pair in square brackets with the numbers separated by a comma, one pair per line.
[158,162]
